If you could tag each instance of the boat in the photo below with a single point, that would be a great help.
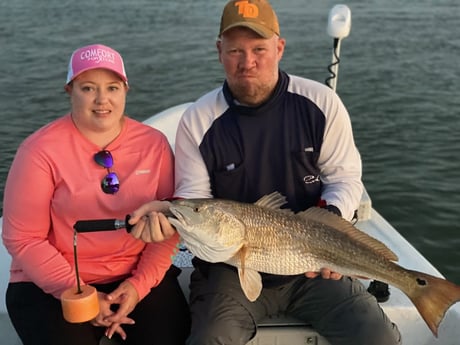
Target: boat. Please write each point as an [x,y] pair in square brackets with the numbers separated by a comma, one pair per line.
[280,329]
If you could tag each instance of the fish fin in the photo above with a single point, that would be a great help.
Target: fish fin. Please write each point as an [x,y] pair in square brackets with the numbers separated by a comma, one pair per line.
[243,253]
[250,280]
[432,296]
[273,201]
[251,283]
[336,222]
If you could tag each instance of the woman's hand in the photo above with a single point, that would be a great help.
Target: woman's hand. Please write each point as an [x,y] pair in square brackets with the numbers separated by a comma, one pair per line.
[126,297]
[150,223]
[105,312]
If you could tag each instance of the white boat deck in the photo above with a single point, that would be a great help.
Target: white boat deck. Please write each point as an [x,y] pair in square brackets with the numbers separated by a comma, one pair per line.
[288,332]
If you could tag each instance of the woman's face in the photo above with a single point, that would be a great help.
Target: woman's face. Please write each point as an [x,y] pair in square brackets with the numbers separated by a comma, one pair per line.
[98,99]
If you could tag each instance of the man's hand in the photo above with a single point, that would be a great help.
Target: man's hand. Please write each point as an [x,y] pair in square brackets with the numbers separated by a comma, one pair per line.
[325,273]
[150,224]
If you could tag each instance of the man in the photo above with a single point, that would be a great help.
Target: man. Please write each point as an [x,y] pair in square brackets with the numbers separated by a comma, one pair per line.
[265,131]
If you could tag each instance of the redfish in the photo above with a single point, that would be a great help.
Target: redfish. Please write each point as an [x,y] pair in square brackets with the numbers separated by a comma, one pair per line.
[262,237]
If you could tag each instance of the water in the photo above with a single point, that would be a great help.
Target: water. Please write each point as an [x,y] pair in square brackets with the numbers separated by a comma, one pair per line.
[398,76]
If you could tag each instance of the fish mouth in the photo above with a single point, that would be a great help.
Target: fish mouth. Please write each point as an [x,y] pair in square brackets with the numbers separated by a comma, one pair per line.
[175,212]
[179,213]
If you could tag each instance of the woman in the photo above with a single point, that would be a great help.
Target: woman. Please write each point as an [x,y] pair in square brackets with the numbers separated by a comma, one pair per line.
[94,162]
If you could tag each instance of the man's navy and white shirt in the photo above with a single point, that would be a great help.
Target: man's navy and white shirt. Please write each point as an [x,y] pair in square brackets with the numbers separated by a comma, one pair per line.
[299,143]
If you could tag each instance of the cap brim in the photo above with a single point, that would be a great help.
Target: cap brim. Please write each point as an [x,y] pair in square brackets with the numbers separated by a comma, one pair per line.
[257,28]
[122,77]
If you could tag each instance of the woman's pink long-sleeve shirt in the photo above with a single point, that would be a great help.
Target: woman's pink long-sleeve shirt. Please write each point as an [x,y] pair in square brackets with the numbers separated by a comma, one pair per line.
[54,181]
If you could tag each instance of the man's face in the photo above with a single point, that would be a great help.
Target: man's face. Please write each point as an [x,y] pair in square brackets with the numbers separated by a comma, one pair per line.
[250,63]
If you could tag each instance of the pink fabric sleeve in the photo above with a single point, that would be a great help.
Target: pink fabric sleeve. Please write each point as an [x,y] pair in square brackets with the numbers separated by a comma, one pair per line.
[157,257]
[155,261]
[27,223]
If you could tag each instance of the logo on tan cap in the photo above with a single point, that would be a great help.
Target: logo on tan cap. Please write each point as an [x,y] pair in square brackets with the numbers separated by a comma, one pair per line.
[247,10]
[256,15]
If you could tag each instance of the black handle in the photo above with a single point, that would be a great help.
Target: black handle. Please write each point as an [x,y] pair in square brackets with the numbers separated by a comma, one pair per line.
[92,225]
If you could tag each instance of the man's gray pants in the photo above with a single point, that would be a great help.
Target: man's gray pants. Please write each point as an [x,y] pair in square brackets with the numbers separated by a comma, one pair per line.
[342,311]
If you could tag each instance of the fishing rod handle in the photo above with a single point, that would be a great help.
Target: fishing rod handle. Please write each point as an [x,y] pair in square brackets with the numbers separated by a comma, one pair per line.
[92,225]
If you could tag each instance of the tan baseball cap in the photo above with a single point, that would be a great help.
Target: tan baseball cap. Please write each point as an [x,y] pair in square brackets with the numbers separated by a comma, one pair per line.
[257,15]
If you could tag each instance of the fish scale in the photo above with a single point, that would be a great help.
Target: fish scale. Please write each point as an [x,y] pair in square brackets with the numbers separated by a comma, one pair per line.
[285,246]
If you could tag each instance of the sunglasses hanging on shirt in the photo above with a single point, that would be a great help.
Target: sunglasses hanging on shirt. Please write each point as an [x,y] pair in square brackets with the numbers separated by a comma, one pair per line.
[110,183]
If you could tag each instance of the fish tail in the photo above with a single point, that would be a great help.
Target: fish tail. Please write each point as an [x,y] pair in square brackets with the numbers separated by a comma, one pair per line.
[432,297]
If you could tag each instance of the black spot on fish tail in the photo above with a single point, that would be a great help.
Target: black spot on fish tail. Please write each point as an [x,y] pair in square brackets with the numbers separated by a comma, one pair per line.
[421,282]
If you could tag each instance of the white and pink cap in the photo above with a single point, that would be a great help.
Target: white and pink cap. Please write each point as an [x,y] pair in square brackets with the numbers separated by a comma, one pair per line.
[95,56]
